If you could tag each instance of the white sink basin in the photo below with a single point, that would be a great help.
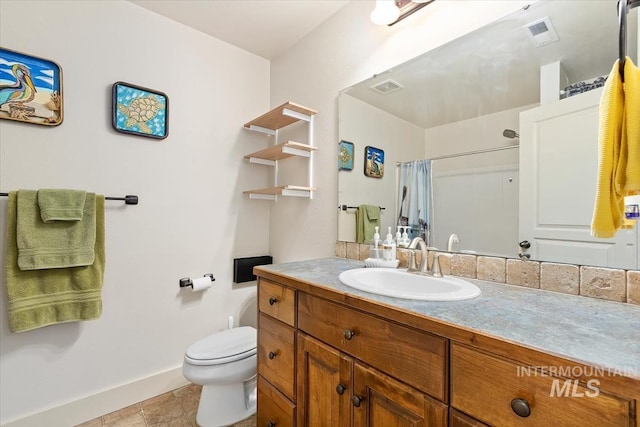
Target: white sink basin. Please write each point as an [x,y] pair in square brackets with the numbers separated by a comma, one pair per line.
[401,284]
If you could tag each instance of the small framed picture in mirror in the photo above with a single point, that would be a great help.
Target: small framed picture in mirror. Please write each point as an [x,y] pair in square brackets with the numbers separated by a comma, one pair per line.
[373,162]
[345,156]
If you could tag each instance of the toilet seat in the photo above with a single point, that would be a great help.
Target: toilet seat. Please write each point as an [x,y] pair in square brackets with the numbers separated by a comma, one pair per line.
[223,347]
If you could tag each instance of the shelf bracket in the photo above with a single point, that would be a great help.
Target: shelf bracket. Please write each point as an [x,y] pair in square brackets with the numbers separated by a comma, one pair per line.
[296,193]
[263,196]
[262,129]
[260,161]
[296,115]
[296,152]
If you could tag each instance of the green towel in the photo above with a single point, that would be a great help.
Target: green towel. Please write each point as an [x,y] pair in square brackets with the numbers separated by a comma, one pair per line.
[367,218]
[61,205]
[56,244]
[39,298]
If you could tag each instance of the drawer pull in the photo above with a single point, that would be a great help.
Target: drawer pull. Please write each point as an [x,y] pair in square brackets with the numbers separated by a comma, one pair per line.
[272,355]
[340,389]
[348,334]
[272,301]
[356,400]
[521,407]
[271,424]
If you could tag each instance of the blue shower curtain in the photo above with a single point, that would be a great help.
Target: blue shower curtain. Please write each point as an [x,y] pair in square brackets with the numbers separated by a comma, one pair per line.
[414,198]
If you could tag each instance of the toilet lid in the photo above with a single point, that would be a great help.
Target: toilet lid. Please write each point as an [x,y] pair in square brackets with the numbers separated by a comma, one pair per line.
[227,345]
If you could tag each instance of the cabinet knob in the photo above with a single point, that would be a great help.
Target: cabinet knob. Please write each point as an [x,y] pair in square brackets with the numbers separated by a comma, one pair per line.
[272,355]
[349,333]
[271,424]
[356,400]
[272,301]
[340,389]
[521,407]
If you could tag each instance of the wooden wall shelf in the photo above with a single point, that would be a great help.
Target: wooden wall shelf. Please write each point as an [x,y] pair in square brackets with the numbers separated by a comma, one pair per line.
[280,117]
[269,124]
[282,151]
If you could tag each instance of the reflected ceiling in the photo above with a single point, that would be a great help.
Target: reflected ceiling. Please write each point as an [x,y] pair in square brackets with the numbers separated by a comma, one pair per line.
[500,65]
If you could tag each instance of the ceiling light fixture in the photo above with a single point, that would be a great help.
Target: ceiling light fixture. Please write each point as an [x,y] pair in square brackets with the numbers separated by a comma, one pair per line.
[390,12]
[385,13]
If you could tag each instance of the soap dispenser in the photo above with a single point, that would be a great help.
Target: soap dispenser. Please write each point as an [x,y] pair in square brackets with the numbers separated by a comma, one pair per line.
[405,237]
[402,240]
[389,247]
[375,250]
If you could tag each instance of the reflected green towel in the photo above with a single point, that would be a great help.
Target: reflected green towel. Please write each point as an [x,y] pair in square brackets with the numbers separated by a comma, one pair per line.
[61,205]
[39,298]
[56,244]
[367,218]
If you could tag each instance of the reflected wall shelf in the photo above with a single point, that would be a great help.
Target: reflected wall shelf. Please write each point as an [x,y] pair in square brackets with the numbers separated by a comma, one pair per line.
[269,123]
[285,190]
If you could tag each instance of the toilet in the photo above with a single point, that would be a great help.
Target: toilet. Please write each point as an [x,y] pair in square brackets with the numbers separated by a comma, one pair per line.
[225,365]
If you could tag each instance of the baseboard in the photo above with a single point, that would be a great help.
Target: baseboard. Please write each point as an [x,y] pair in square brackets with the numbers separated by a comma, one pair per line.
[90,407]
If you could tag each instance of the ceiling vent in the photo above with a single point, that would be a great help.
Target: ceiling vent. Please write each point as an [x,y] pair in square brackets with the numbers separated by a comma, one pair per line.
[387,87]
[541,32]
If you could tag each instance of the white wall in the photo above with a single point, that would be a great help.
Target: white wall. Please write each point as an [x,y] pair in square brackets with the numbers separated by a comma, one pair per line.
[344,50]
[192,217]
[364,125]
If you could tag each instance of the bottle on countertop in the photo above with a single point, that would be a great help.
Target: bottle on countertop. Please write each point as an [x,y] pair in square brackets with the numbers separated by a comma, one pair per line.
[375,251]
[389,247]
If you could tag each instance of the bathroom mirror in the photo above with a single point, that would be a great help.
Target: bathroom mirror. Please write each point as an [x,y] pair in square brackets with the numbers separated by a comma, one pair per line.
[460,105]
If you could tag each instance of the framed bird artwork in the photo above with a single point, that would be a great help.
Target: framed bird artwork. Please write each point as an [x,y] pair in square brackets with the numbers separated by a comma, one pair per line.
[373,162]
[140,111]
[30,89]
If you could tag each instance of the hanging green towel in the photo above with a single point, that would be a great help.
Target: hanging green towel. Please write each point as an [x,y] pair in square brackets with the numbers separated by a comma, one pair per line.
[39,298]
[61,205]
[367,218]
[56,244]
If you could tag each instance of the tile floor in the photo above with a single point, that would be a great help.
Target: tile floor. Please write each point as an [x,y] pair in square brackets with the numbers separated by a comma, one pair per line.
[174,409]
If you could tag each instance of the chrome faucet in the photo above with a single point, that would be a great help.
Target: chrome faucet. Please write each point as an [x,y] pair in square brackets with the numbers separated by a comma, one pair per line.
[424,264]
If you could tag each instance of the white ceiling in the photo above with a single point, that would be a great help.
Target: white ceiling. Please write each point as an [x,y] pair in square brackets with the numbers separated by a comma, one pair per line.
[264,27]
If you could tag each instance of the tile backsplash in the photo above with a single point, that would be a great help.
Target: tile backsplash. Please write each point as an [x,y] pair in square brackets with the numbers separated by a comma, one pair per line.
[595,282]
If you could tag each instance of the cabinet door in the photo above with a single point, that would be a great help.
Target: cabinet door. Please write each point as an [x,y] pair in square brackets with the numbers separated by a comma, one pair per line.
[381,401]
[324,385]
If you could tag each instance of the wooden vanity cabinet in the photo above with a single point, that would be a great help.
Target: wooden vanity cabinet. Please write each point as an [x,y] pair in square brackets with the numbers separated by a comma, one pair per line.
[322,362]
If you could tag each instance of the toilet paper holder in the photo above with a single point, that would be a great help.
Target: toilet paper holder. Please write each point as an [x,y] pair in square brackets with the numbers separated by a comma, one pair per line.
[187,282]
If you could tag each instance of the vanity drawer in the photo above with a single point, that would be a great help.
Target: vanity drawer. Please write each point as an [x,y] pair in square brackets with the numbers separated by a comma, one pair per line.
[273,408]
[485,387]
[277,301]
[414,357]
[276,357]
